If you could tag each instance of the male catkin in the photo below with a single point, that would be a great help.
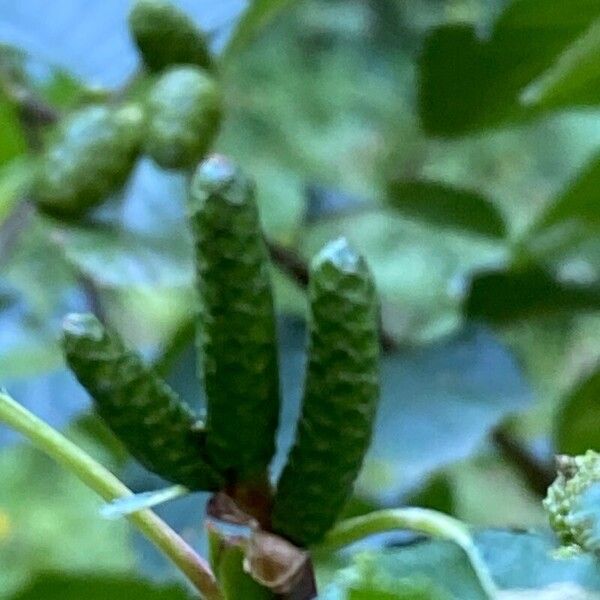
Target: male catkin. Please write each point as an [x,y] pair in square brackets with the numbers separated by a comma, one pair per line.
[236,325]
[166,36]
[89,157]
[141,409]
[340,396]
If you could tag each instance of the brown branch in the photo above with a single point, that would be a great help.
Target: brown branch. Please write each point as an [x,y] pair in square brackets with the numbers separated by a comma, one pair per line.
[289,262]
[93,296]
[537,474]
[34,111]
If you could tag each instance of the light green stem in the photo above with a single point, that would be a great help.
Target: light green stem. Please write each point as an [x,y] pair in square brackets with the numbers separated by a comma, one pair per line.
[423,520]
[103,482]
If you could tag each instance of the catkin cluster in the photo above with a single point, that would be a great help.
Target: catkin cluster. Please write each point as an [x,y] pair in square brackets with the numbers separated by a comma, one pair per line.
[88,159]
[90,154]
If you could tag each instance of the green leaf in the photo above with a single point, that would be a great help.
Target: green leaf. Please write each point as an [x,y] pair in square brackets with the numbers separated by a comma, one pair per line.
[443,205]
[502,297]
[436,493]
[438,404]
[517,560]
[574,79]
[468,84]
[12,137]
[578,203]
[367,582]
[257,16]
[117,258]
[65,587]
[524,559]
[51,522]
[15,176]
[577,420]
[440,569]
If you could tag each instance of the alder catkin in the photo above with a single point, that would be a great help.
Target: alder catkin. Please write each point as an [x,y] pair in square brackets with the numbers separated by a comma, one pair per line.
[139,407]
[340,396]
[236,323]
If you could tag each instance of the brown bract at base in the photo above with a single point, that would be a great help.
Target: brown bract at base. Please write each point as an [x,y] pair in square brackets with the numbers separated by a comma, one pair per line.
[271,560]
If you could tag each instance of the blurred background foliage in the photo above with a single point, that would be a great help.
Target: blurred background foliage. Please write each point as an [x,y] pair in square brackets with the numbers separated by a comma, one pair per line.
[454,142]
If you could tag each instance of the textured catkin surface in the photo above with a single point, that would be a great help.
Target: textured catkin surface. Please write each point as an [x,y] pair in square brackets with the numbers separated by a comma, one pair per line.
[184,112]
[236,325]
[166,36]
[340,397]
[576,474]
[141,409]
[89,157]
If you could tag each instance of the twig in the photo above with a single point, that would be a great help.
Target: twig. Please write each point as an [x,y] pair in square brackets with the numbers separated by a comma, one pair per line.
[536,474]
[92,294]
[104,483]
[289,262]
[34,112]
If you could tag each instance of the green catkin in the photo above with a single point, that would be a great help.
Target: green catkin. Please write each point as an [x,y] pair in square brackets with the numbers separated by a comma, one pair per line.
[184,113]
[166,36]
[139,407]
[340,396]
[576,475]
[89,158]
[236,324]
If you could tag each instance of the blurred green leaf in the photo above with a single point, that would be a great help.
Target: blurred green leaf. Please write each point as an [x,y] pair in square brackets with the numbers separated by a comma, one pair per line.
[517,561]
[524,559]
[502,297]
[574,79]
[12,138]
[366,581]
[447,206]
[436,493]
[15,176]
[439,569]
[467,83]
[577,422]
[51,521]
[437,405]
[65,587]
[475,483]
[578,203]
[117,258]
[248,27]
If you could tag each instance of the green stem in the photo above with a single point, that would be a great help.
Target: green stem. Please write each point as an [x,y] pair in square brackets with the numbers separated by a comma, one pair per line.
[423,520]
[103,482]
